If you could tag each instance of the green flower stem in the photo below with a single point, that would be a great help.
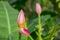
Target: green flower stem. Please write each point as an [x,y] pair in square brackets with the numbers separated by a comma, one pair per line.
[31,37]
[39,28]
[19,36]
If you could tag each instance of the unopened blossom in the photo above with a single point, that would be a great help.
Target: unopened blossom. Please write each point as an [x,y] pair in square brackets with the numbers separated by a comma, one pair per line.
[21,23]
[38,8]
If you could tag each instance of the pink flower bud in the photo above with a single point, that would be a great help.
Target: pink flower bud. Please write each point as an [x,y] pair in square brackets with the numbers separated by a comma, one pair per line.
[21,23]
[21,19]
[38,8]
[24,31]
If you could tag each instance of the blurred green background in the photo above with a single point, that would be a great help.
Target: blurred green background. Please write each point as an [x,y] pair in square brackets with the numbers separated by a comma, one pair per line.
[50,18]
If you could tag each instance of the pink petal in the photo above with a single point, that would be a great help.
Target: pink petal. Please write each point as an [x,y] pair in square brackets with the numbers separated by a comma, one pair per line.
[38,8]
[21,18]
[24,31]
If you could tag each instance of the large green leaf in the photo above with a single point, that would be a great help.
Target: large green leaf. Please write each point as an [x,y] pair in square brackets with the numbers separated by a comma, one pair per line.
[8,21]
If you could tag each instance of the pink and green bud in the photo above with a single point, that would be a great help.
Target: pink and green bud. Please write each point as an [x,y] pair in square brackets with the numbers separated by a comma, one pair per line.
[38,8]
[21,23]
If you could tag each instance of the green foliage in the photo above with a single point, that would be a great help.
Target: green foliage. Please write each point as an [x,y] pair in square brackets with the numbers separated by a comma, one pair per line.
[50,19]
[8,21]
[32,25]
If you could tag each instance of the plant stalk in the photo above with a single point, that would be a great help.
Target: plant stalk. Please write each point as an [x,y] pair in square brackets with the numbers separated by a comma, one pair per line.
[39,28]
[31,37]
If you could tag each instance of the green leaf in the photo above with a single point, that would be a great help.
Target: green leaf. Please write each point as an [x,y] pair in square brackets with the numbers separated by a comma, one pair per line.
[52,32]
[8,21]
